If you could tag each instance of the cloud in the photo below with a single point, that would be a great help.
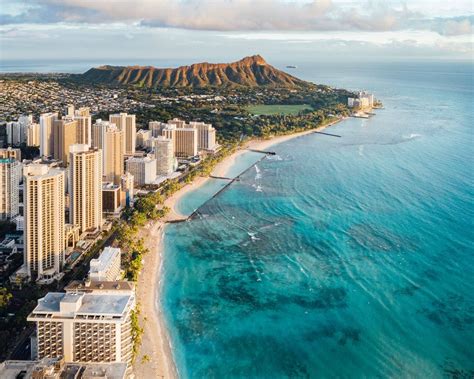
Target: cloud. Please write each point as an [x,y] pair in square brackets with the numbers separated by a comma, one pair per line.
[457,27]
[223,15]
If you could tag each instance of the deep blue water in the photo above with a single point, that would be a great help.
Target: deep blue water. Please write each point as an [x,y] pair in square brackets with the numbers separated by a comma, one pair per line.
[339,257]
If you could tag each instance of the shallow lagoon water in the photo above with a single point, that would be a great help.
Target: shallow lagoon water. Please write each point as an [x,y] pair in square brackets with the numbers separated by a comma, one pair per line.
[339,257]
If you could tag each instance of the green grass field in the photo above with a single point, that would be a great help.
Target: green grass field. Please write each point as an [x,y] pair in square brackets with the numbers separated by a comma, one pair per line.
[269,110]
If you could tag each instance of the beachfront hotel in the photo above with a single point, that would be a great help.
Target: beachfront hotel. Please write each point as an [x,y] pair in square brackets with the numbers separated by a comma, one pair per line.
[185,140]
[85,189]
[10,175]
[206,133]
[86,323]
[46,133]
[126,123]
[364,100]
[107,266]
[163,150]
[44,221]
[143,169]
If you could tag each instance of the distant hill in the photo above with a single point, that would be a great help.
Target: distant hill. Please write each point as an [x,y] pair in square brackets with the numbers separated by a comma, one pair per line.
[251,71]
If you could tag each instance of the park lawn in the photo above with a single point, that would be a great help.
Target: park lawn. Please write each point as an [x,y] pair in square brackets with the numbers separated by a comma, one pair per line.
[274,109]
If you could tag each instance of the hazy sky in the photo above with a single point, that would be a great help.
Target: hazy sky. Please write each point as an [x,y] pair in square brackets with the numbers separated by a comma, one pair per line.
[224,30]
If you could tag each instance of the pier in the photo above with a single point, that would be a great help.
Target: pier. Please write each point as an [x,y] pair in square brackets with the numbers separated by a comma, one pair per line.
[230,181]
[329,134]
[176,220]
[220,177]
[262,151]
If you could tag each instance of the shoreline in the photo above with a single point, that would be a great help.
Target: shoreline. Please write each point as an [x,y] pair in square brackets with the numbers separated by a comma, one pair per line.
[156,345]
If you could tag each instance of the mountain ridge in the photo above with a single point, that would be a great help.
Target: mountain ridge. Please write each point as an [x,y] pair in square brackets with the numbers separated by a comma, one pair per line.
[251,71]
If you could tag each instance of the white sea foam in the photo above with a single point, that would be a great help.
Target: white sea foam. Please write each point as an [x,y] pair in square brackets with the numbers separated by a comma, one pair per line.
[412,136]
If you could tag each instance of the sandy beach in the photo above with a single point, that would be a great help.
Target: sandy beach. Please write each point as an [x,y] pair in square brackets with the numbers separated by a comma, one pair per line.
[155,358]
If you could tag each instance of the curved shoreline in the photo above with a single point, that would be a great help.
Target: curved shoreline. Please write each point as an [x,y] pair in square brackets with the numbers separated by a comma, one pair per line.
[156,345]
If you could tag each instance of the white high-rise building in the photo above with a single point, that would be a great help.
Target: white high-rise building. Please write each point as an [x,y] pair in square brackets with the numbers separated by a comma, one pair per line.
[163,149]
[24,122]
[44,203]
[107,266]
[206,135]
[10,175]
[127,123]
[85,189]
[98,131]
[46,134]
[86,325]
[143,169]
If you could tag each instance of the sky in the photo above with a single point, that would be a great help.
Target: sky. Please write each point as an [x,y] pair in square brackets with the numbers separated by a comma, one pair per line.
[226,30]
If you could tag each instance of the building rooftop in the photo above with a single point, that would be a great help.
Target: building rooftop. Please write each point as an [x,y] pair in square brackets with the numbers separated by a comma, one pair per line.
[105,286]
[91,304]
[105,259]
[60,369]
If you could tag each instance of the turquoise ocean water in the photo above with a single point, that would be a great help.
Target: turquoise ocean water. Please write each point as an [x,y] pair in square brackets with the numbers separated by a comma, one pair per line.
[339,257]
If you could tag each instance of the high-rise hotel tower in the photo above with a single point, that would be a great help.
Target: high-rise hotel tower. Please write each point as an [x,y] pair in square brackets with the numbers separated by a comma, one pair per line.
[46,134]
[10,174]
[107,137]
[44,220]
[85,189]
[126,123]
[89,323]
[64,136]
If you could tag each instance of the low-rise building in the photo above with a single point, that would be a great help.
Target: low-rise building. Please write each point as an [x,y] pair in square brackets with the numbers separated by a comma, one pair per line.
[107,266]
